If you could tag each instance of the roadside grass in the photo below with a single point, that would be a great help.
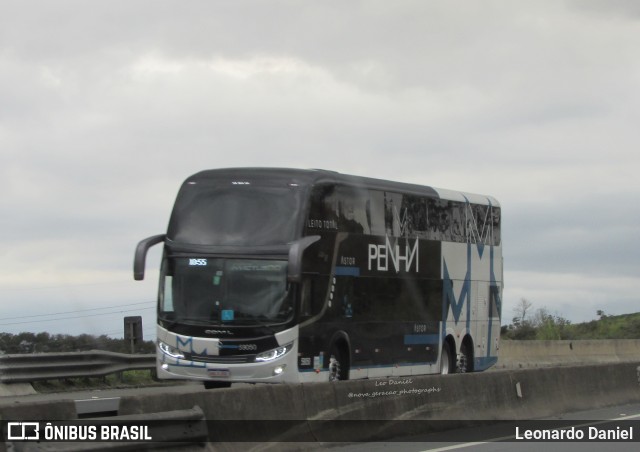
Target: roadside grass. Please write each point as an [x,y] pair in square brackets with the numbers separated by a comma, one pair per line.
[125,379]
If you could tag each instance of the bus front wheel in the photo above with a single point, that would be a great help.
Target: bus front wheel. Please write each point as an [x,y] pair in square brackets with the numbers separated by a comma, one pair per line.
[337,364]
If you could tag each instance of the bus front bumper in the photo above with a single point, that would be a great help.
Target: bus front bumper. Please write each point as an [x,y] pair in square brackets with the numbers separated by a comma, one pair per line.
[270,369]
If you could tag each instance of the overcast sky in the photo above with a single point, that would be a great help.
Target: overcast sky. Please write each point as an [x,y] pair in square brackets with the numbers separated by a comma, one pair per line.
[106,107]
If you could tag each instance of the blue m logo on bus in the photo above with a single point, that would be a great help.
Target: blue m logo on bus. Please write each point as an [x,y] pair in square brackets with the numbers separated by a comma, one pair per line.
[449,298]
[184,344]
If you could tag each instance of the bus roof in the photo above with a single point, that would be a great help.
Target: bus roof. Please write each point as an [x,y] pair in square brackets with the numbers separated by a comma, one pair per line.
[310,177]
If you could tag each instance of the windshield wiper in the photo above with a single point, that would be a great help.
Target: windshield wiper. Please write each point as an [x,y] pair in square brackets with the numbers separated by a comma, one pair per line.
[196,321]
[249,320]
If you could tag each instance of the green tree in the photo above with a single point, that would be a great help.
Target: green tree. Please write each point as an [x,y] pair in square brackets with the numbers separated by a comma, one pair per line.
[550,327]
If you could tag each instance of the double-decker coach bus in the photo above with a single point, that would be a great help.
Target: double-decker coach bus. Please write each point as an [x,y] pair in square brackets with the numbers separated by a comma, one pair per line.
[286,275]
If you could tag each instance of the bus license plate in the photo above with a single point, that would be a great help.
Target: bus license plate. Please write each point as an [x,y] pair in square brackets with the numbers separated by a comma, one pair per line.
[218,373]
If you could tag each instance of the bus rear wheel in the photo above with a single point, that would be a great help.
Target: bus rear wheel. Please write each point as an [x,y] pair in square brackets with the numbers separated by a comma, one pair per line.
[446,366]
[465,363]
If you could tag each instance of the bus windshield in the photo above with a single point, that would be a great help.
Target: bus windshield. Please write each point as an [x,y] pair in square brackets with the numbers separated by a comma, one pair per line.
[217,291]
[235,214]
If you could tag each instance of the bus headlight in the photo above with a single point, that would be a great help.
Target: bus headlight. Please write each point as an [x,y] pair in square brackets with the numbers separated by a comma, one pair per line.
[169,350]
[273,354]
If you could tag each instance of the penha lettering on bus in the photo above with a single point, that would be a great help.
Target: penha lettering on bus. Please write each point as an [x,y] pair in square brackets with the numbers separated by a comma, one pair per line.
[387,255]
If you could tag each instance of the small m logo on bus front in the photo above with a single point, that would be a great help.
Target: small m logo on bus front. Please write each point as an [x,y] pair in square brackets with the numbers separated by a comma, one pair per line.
[383,254]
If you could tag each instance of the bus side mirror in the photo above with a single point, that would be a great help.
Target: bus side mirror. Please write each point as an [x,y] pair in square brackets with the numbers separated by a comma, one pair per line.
[295,257]
[141,255]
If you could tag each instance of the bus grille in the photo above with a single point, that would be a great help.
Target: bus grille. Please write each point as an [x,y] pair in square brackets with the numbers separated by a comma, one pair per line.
[232,359]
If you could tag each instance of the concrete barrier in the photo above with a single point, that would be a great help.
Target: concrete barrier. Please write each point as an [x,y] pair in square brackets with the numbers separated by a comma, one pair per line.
[16,389]
[382,408]
[39,411]
[527,354]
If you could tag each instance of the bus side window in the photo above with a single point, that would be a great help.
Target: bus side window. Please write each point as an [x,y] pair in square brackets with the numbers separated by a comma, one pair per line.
[312,297]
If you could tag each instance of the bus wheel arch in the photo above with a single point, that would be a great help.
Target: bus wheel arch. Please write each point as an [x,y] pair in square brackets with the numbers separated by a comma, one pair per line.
[466,358]
[339,357]
[447,357]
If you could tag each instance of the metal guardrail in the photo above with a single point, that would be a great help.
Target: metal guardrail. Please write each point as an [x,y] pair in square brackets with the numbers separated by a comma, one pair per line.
[54,366]
[26,368]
